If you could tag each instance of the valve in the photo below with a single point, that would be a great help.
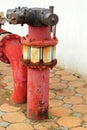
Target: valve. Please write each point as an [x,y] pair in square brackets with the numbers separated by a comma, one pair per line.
[32,16]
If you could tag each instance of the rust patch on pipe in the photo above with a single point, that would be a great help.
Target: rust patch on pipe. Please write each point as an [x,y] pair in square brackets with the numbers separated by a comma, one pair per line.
[39,115]
[43,113]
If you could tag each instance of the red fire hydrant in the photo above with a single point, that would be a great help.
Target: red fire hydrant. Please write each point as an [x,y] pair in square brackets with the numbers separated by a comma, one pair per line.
[39,54]
[11,52]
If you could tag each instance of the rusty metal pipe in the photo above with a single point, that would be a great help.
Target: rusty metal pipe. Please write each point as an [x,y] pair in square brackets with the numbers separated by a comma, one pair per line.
[12,51]
[38,79]
[37,94]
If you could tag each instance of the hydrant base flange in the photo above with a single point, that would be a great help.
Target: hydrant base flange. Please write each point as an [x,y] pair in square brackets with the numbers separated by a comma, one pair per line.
[39,65]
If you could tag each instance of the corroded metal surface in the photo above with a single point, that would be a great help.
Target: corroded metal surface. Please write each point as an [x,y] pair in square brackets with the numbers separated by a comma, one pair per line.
[11,50]
[32,16]
[37,98]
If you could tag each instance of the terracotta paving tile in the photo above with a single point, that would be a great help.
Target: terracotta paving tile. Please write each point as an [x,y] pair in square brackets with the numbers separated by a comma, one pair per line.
[8,77]
[69,78]
[57,76]
[20,126]
[77,84]
[62,72]
[55,103]
[65,92]
[6,81]
[84,118]
[50,124]
[14,117]
[60,111]
[5,71]
[79,128]
[51,75]
[85,97]
[71,88]
[9,88]
[10,84]
[8,108]
[58,85]
[69,121]
[73,100]
[62,85]
[54,80]
[1,128]
[4,67]
[51,95]
[40,127]
[53,86]
[82,90]
[80,108]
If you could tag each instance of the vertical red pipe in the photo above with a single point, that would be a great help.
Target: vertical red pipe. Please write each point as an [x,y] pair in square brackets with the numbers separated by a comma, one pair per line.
[12,48]
[39,33]
[38,81]
[37,93]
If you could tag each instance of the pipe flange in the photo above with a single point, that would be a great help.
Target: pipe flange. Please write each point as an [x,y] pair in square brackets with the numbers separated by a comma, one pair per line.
[39,65]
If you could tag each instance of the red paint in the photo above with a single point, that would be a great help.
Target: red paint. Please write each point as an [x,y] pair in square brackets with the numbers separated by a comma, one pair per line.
[37,93]
[39,33]
[41,43]
[13,51]
[39,36]
[38,80]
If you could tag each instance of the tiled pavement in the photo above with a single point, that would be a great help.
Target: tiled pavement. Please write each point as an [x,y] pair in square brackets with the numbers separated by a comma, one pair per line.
[67,103]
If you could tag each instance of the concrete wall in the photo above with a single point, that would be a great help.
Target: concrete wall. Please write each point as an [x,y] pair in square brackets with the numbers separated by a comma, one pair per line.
[71,30]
